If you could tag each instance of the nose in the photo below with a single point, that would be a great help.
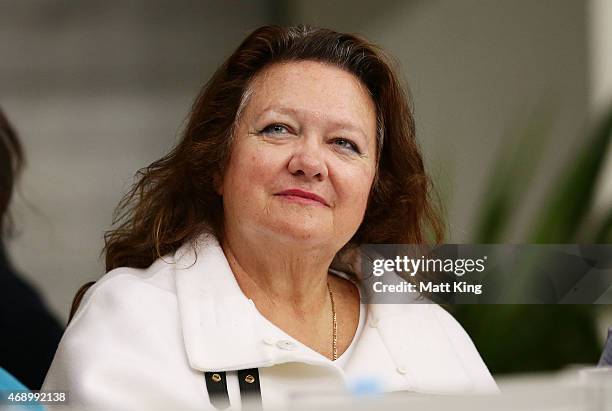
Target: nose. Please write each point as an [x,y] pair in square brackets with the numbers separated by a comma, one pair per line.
[307,160]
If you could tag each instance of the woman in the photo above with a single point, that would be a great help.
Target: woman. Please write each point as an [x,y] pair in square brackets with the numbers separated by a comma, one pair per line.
[30,333]
[228,272]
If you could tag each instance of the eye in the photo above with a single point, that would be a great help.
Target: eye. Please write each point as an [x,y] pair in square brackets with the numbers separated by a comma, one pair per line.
[275,129]
[346,144]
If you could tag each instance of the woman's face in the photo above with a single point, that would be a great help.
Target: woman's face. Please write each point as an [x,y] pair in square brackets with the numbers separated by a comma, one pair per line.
[303,158]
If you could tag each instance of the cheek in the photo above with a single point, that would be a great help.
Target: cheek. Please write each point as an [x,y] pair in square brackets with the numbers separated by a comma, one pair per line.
[355,190]
[250,171]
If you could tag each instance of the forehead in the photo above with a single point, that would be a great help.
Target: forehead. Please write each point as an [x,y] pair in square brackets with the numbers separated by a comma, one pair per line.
[316,89]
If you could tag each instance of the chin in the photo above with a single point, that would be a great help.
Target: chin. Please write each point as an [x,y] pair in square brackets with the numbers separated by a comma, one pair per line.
[302,233]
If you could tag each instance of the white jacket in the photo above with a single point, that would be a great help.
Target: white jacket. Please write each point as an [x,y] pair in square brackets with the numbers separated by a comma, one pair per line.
[143,338]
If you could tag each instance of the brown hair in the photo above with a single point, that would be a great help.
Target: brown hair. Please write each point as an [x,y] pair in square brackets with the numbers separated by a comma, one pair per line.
[11,162]
[173,200]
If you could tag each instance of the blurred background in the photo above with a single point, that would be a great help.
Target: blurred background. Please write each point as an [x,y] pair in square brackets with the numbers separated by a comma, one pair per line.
[511,97]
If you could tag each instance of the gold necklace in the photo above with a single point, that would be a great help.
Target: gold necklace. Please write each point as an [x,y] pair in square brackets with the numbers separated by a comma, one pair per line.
[334,325]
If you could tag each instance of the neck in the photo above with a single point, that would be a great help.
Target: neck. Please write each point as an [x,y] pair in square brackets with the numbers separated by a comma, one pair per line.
[277,275]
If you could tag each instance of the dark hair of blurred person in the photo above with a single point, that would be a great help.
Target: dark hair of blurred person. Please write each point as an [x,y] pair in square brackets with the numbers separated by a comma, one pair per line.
[30,334]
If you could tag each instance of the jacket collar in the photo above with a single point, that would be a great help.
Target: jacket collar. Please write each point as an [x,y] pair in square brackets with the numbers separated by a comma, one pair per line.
[223,330]
[215,314]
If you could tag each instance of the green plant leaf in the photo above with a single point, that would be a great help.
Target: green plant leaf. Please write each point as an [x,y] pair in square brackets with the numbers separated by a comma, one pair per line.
[512,172]
[570,200]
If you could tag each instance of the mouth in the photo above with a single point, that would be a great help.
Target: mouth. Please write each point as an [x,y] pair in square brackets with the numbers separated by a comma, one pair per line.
[302,196]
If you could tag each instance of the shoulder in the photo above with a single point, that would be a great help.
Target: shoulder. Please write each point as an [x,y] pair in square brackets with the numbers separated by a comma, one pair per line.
[125,288]
[123,305]
[466,350]
[129,316]
[433,338]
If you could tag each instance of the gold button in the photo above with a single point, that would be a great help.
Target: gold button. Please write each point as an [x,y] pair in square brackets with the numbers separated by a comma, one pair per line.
[216,377]
[249,379]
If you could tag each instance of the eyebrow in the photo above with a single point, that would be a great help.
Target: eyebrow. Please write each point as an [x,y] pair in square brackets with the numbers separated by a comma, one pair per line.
[346,125]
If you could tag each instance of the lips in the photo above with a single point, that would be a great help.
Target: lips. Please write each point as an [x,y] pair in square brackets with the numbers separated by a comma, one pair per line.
[294,192]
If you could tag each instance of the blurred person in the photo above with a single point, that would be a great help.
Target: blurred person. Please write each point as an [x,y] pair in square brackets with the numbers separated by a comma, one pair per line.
[227,275]
[30,334]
